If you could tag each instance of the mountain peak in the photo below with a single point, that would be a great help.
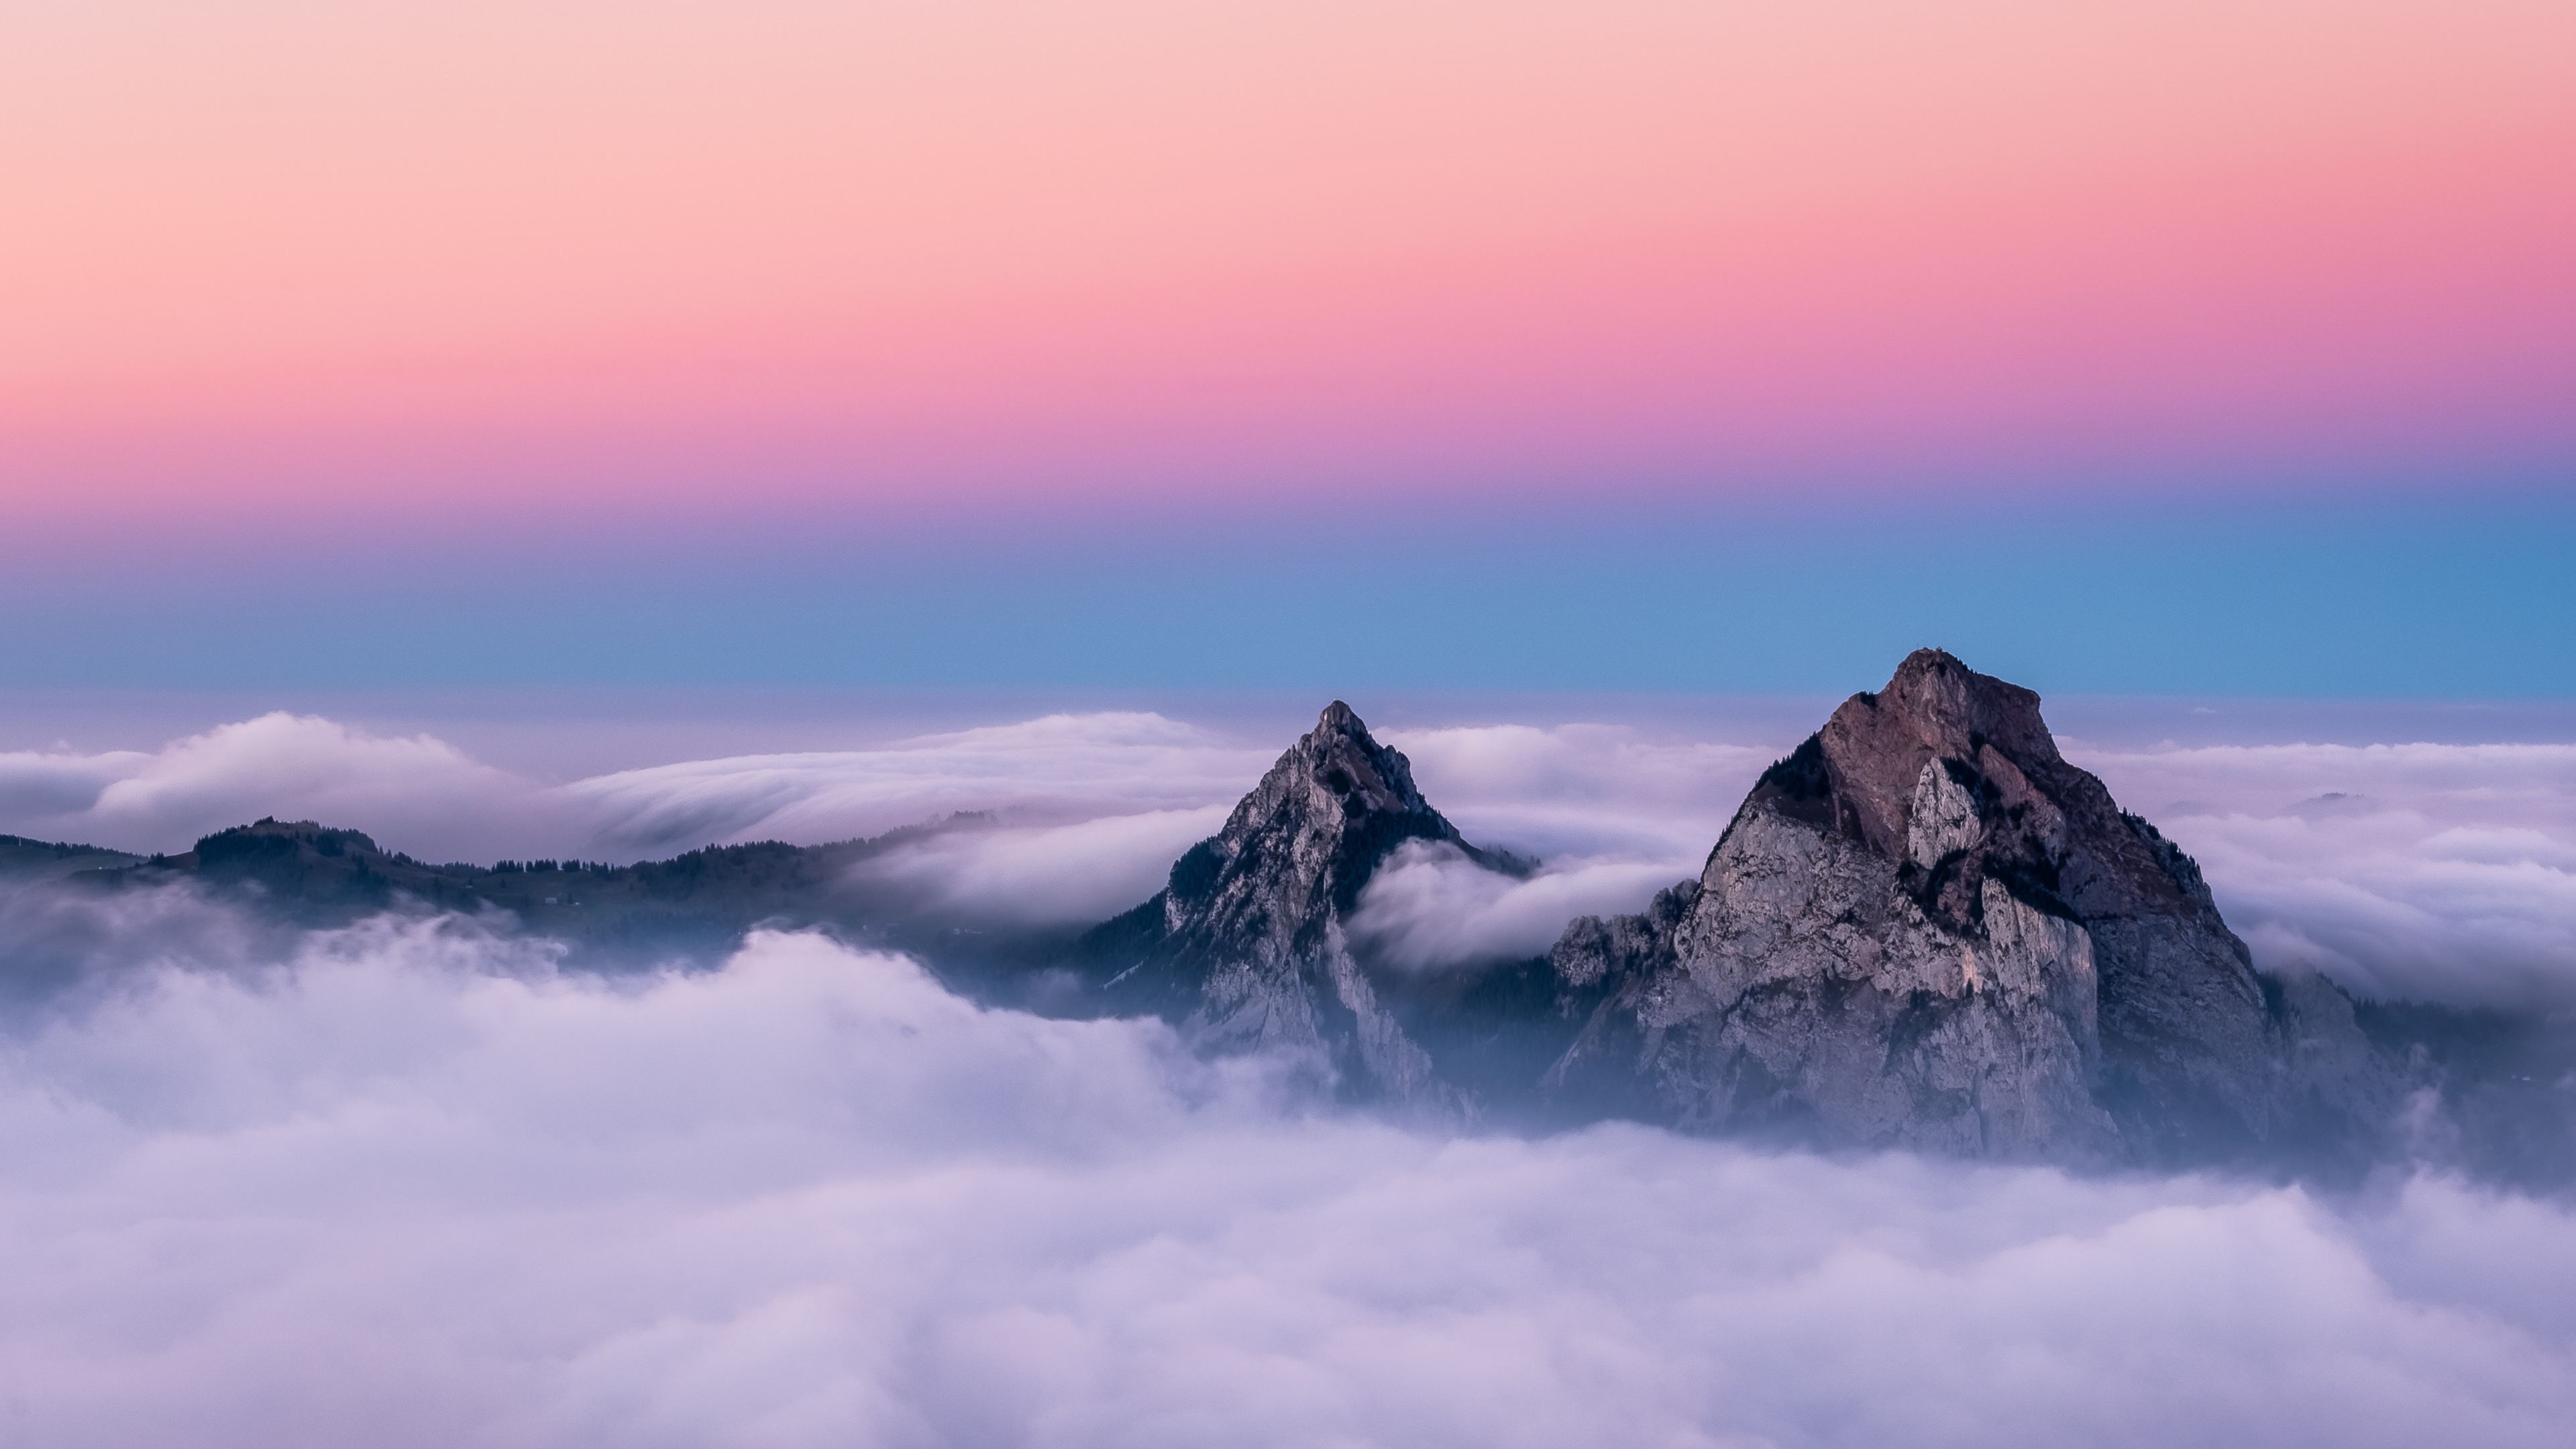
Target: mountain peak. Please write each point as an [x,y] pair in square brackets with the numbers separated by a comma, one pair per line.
[1336,773]
[1339,718]
[1976,950]
[1327,811]
[1863,770]
[1943,704]
[1247,942]
[262,832]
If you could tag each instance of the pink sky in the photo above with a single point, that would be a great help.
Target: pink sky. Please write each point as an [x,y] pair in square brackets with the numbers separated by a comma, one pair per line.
[268,253]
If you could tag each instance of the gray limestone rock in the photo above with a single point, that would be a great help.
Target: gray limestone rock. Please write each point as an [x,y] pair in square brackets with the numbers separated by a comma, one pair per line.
[1924,928]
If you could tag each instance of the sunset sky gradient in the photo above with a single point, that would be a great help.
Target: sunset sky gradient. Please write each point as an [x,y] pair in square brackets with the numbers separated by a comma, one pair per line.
[976,342]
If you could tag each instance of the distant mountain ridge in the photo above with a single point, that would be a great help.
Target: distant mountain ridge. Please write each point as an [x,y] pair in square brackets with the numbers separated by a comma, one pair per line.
[696,905]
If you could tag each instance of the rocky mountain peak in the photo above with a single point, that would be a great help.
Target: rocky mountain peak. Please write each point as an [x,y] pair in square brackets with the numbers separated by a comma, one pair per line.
[1946,706]
[1926,927]
[1246,944]
[1302,844]
[1872,765]
[1335,775]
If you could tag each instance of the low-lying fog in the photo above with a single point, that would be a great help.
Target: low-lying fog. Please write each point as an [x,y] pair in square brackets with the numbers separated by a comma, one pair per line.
[412,1183]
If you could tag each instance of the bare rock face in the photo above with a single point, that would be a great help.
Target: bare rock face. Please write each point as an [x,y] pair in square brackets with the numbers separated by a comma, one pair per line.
[1924,928]
[1246,947]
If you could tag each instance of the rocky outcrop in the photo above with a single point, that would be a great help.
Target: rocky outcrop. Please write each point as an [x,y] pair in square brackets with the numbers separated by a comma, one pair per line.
[1924,928]
[1247,946]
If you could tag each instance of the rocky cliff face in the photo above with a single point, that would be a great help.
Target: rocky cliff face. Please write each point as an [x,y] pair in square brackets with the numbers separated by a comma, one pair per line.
[1246,947]
[1924,928]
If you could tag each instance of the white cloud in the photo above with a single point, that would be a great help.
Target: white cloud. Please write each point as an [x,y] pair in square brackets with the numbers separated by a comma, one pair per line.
[406,1185]
[423,795]
[1058,769]
[2443,872]
[1044,875]
[39,786]
[1614,813]
[1430,908]
[1591,790]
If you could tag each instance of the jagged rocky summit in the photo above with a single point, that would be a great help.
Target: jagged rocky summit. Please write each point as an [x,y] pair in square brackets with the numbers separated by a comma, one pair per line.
[1924,928]
[1248,946]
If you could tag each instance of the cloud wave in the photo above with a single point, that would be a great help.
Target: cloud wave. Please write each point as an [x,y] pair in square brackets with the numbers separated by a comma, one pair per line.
[1057,769]
[1430,908]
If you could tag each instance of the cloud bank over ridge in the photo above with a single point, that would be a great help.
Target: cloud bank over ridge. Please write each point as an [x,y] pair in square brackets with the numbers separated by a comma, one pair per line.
[2438,870]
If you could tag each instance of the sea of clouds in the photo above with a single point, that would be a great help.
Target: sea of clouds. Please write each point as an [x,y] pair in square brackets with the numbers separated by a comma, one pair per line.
[412,1182]
[408,1184]
[2443,871]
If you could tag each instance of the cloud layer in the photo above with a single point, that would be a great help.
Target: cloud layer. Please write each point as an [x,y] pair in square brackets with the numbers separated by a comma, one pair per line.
[407,1185]
[2445,871]
[1430,908]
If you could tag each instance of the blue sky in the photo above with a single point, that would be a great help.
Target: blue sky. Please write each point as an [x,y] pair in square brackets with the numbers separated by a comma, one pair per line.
[2310,597]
